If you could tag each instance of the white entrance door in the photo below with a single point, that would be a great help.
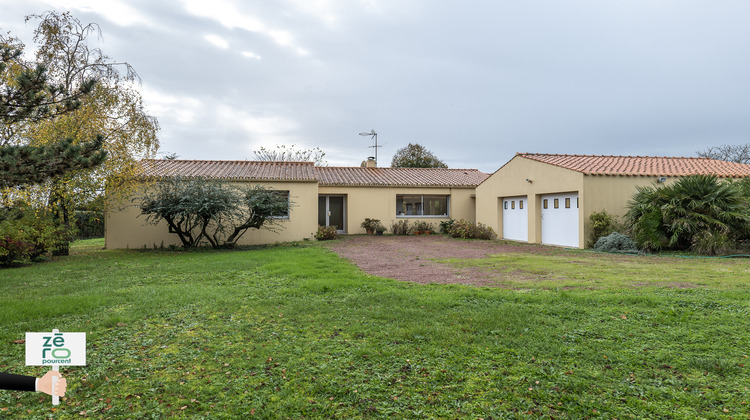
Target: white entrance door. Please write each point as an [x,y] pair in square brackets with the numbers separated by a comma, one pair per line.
[560,219]
[516,219]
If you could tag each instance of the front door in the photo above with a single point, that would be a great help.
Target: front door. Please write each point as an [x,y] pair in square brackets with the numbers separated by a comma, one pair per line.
[331,211]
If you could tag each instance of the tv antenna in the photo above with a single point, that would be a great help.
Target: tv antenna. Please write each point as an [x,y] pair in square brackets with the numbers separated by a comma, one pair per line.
[374,136]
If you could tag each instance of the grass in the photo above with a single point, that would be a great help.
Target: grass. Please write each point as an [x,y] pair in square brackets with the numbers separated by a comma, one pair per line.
[295,332]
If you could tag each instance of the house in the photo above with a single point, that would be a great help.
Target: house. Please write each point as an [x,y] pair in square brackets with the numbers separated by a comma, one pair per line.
[548,198]
[328,196]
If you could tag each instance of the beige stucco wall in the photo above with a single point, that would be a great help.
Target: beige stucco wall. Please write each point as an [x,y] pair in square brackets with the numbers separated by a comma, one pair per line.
[126,228]
[595,193]
[380,203]
[511,181]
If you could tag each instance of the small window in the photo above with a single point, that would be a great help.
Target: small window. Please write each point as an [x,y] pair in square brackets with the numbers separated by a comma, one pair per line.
[567,203]
[513,205]
[577,202]
[505,205]
[557,203]
[520,204]
[283,214]
[544,203]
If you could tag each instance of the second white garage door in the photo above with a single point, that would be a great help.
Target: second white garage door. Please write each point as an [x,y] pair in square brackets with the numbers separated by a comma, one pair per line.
[515,219]
[560,219]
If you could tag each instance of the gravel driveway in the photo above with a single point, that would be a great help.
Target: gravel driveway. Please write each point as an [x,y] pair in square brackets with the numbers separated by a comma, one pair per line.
[410,258]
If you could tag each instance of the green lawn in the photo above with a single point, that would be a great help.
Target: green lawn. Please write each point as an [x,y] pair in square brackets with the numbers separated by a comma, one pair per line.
[295,332]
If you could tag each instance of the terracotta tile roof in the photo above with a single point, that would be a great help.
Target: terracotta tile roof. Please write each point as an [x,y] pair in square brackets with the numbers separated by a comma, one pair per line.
[305,171]
[230,169]
[408,177]
[642,165]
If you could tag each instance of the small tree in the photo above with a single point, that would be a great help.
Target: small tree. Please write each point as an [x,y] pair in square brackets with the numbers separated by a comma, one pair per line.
[212,210]
[416,156]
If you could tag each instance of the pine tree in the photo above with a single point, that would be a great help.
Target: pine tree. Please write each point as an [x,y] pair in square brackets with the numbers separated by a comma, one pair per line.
[26,97]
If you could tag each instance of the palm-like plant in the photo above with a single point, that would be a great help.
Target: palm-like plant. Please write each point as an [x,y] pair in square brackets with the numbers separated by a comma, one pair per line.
[699,206]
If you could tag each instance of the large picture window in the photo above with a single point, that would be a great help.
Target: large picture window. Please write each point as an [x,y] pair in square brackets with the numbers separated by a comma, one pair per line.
[422,205]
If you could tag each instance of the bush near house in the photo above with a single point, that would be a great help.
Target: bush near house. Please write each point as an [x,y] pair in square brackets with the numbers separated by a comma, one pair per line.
[468,230]
[326,233]
[371,225]
[602,224]
[401,227]
[423,227]
[699,213]
[445,226]
[616,242]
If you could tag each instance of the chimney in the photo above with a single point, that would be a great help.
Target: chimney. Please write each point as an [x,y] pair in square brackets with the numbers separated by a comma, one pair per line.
[369,163]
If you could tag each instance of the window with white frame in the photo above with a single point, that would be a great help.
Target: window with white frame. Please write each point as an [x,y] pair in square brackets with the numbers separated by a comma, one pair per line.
[422,205]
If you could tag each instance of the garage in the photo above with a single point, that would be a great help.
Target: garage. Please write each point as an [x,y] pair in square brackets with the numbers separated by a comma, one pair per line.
[560,219]
[516,219]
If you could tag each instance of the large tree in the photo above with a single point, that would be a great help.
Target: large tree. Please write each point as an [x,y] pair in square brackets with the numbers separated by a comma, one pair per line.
[416,156]
[26,97]
[112,109]
[739,153]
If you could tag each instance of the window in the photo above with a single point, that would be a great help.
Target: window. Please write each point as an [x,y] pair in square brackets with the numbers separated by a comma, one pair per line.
[284,214]
[544,203]
[505,205]
[567,203]
[557,203]
[513,205]
[520,204]
[422,205]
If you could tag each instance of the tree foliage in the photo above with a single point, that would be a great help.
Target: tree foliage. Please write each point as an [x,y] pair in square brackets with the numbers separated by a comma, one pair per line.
[416,156]
[26,165]
[739,153]
[694,209]
[111,108]
[214,211]
[283,153]
[27,98]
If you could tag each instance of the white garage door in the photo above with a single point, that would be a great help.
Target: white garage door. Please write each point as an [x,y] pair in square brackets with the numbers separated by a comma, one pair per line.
[560,219]
[515,219]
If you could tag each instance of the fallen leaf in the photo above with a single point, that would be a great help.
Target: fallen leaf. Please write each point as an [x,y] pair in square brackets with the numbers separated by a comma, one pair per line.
[19,341]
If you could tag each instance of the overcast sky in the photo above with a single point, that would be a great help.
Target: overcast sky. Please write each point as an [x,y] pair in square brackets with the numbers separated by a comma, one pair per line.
[473,81]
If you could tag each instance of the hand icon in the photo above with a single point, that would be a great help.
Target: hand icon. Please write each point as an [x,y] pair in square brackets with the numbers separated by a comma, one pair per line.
[45,384]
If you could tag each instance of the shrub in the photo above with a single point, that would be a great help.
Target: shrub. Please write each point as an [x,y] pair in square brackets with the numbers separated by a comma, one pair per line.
[401,227]
[326,233]
[423,226]
[26,235]
[16,252]
[687,212]
[615,242]
[713,243]
[602,224]
[445,226]
[467,230]
[371,224]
